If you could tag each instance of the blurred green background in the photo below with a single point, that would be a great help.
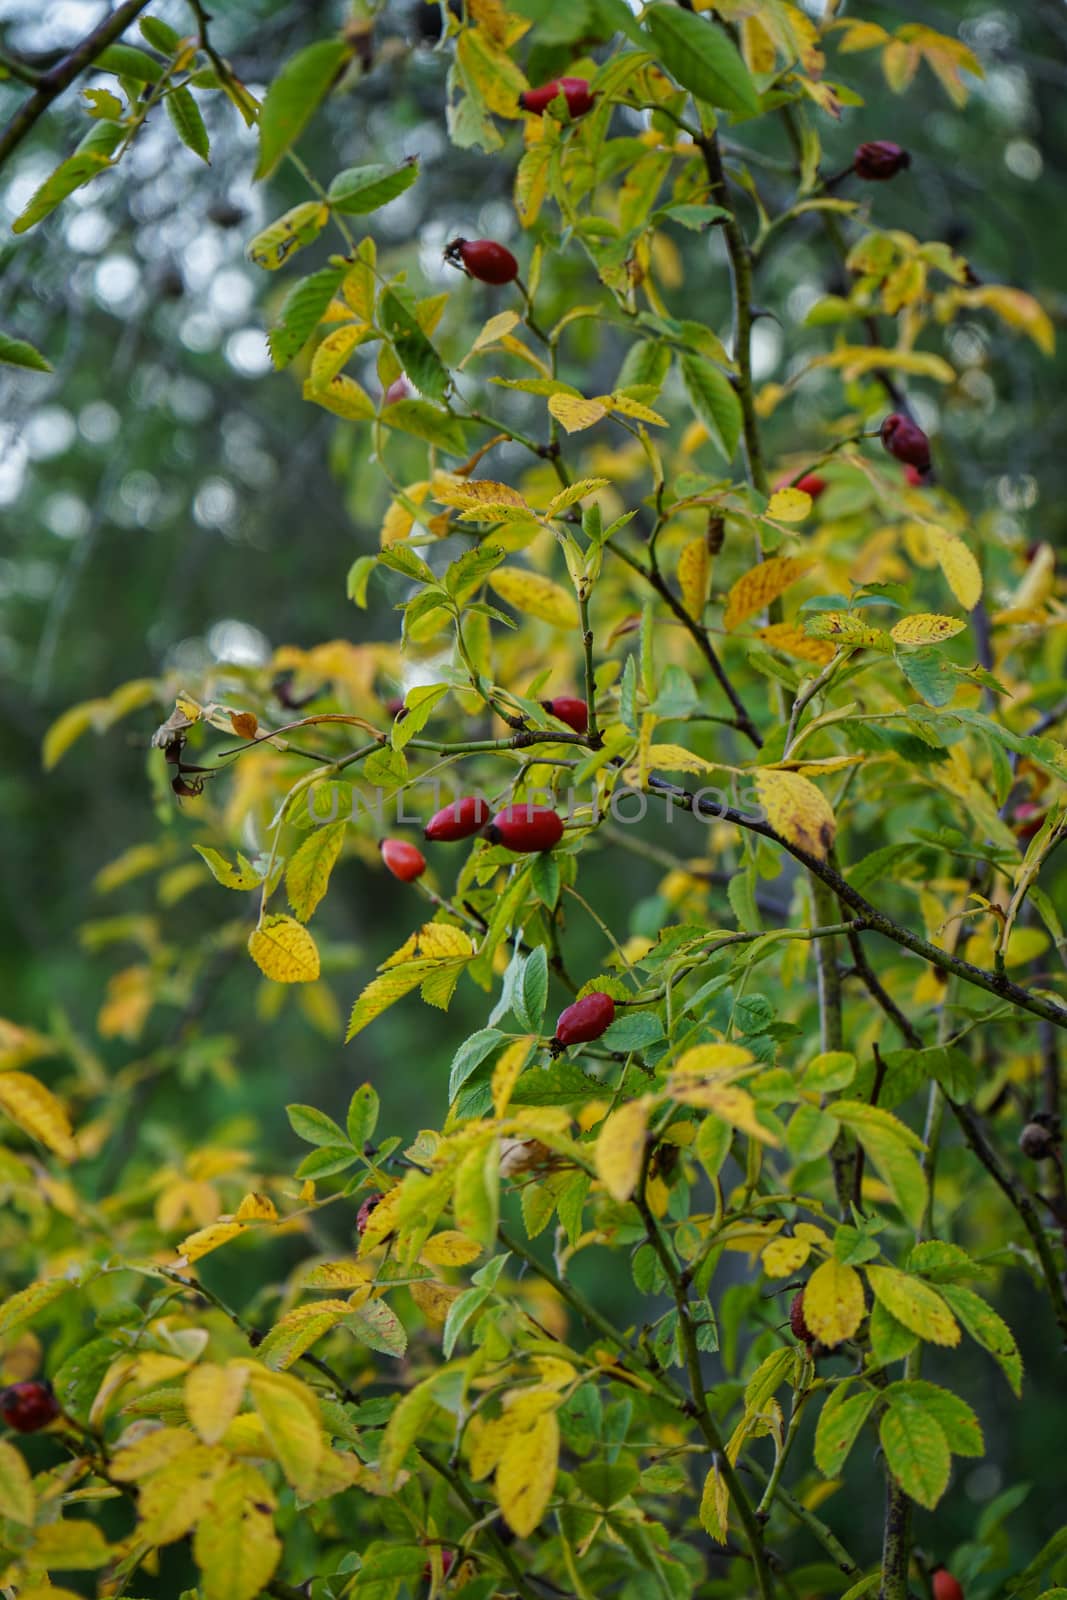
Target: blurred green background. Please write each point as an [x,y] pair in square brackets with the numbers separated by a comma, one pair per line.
[167,499]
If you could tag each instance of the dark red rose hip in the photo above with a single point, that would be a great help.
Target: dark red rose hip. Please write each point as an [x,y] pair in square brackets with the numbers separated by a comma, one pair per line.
[26,1407]
[448,1561]
[879,160]
[801,1331]
[459,820]
[569,709]
[405,861]
[585,1020]
[574,90]
[906,441]
[363,1215]
[483,259]
[526,828]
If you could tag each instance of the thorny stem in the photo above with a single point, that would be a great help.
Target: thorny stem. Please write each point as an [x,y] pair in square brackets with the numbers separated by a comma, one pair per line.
[593,730]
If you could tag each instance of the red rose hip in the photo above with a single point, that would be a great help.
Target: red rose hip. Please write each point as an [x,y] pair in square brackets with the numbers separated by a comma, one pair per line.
[448,1561]
[405,861]
[879,160]
[914,477]
[811,484]
[29,1406]
[459,820]
[801,1332]
[363,1215]
[906,441]
[526,828]
[585,1020]
[945,1586]
[569,709]
[483,259]
[574,90]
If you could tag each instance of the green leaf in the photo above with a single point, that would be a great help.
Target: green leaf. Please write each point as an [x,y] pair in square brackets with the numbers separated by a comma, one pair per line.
[242,876]
[958,1422]
[561,1084]
[314,1126]
[914,1303]
[362,1115]
[890,1340]
[916,1452]
[632,1030]
[126,61]
[839,1424]
[459,1314]
[358,190]
[307,876]
[531,991]
[888,1143]
[988,1329]
[17,353]
[713,397]
[810,1132]
[700,56]
[545,879]
[414,351]
[470,1055]
[294,97]
[930,675]
[302,311]
[377,1325]
[188,123]
[77,170]
[160,35]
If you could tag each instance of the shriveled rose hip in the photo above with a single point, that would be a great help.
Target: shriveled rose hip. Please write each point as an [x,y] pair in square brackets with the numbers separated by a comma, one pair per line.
[29,1406]
[405,861]
[459,820]
[526,828]
[569,709]
[574,90]
[906,441]
[585,1020]
[363,1215]
[879,159]
[483,259]
[801,1332]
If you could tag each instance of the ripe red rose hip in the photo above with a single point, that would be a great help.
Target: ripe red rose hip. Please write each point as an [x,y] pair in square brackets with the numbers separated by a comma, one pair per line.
[906,441]
[26,1407]
[879,160]
[363,1215]
[526,828]
[945,1586]
[811,484]
[405,861]
[914,477]
[459,820]
[483,259]
[586,1019]
[801,1332]
[569,709]
[574,90]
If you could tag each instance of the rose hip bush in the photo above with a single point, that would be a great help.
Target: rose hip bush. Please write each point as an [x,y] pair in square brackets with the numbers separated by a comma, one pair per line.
[636,588]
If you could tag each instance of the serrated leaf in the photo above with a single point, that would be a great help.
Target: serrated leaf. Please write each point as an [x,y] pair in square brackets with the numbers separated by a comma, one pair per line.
[956,560]
[507,1069]
[307,876]
[916,1452]
[241,876]
[839,1424]
[620,1148]
[714,1510]
[526,1474]
[17,353]
[284,951]
[188,121]
[789,505]
[833,1302]
[26,1303]
[17,1498]
[294,97]
[796,810]
[755,589]
[37,1111]
[289,1413]
[535,595]
[694,570]
[958,1421]
[714,400]
[302,310]
[575,412]
[212,1396]
[273,246]
[916,1304]
[358,190]
[988,1329]
[236,1547]
[925,627]
[700,56]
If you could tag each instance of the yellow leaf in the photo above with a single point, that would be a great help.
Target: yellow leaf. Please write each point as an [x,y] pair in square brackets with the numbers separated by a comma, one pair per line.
[433,1299]
[1018,309]
[333,352]
[620,1148]
[75,1545]
[526,1474]
[292,1424]
[307,876]
[343,396]
[704,1058]
[962,572]
[69,726]
[833,1302]
[694,569]
[537,596]
[790,505]
[792,642]
[151,1453]
[575,412]
[784,1256]
[531,183]
[336,1275]
[450,1249]
[715,1506]
[847,627]
[27,1302]
[284,951]
[17,1499]
[676,758]
[236,1547]
[172,1500]
[507,1070]
[478,492]
[755,590]
[857,360]
[573,493]
[797,811]
[914,1303]
[35,1110]
[926,627]
[213,1396]
[626,407]
[256,1208]
[204,1240]
[495,329]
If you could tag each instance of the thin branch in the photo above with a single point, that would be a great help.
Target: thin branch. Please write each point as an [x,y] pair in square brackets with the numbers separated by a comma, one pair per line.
[51,84]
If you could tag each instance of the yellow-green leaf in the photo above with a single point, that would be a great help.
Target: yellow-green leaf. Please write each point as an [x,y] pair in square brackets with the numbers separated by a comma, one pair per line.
[575,412]
[956,560]
[284,951]
[289,1413]
[715,1506]
[307,876]
[916,1452]
[526,1474]
[35,1110]
[789,505]
[236,1547]
[914,1303]
[535,595]
[17,1499]
[926,627]
[213,1396]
